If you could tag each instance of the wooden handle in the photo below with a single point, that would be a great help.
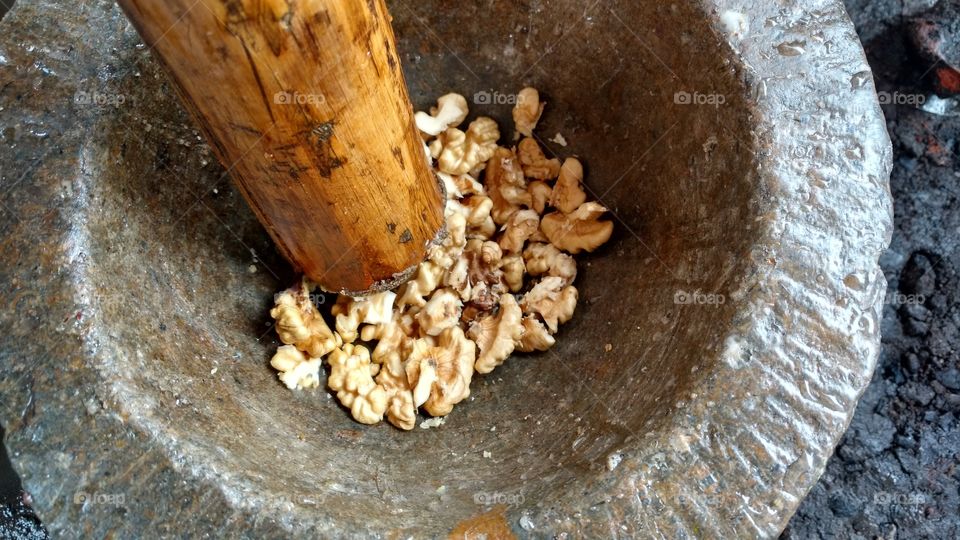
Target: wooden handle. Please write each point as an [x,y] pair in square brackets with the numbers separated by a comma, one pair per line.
[304,102]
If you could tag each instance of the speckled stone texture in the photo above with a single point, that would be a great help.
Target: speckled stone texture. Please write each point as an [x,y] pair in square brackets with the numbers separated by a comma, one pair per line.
[134,382]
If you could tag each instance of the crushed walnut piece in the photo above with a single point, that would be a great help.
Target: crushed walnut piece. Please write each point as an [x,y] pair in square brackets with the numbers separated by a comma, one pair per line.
[500,282]
[527,112]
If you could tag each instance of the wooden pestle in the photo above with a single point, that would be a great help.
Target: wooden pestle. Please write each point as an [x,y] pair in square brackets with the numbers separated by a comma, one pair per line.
[306,106]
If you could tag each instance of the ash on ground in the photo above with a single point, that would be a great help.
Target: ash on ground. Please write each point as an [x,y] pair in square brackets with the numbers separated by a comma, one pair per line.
[895,473]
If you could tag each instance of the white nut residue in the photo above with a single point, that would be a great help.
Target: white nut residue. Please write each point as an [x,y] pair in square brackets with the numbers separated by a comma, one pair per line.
[735,23]
[500,282]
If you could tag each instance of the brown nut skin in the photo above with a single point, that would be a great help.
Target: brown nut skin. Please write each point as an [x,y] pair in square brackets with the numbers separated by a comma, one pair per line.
[300,324]
[568,192]
[578,231]
[496,335]
[534,163]
[552,300]
[535,336]
[506,185]
[440,375]
[527,111]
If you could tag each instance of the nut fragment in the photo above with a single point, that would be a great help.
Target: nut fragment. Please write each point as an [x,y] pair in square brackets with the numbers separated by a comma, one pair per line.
[547,259]
[451,111]
[401,411]
[393,341]
[513,268]
[460,186]
[351,378]
[518,229]
[300,324]
[424,282]
[392,378]
[568,194]
[535,336]
[391,351]
[351,312]
[449,186]
[468,185]
[496,335]
[527,111]
[535,164]
[440,313]
[577,231]
[458,152]
[297,371]
[506,186]
[540,193]
[440,374]
[447,252]
[553,301]
[476,210]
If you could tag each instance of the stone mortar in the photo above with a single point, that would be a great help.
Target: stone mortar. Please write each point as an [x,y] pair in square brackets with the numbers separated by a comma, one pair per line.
[748,166]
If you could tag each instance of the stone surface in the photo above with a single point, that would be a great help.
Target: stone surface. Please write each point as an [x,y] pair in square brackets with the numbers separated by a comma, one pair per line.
[749,166]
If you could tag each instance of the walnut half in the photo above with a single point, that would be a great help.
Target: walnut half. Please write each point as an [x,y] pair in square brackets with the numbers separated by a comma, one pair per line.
[496,335]
[300,324]
[553,301]
[440,374]
[459,153]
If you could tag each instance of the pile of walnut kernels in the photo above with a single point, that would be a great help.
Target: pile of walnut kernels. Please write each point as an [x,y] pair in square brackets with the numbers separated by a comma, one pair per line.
[501,281]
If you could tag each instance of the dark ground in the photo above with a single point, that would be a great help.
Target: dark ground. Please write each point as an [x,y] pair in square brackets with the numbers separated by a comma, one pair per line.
[895,472]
